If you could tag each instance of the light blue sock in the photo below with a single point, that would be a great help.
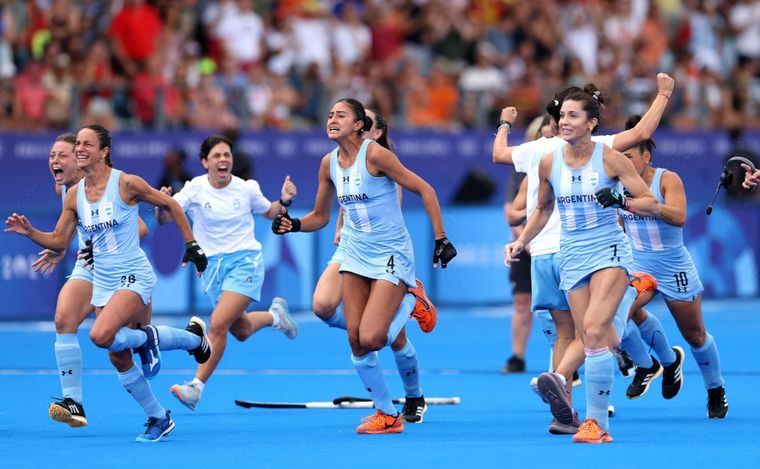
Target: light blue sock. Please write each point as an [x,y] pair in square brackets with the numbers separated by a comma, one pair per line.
[371,374]
[633,344]
[338,319]
[654,336]
[139,388]
[68,355]
[547,326]
[406,362]
[171,338]
[598,382]
[127,338]
[709,363]
[402,315]
[620,320]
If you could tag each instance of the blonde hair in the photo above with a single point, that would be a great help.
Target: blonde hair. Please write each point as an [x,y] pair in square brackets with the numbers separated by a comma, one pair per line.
[533,131]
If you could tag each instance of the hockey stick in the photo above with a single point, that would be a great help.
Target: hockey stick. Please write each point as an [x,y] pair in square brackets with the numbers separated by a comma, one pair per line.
[428,400]
[344,402]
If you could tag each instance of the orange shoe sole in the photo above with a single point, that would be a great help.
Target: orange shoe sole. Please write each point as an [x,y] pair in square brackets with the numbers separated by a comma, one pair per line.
[424,310]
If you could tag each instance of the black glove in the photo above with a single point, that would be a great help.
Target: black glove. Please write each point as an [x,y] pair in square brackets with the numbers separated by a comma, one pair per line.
[194,254]
[444,251]
[277,222]
[88,258]
[609,197]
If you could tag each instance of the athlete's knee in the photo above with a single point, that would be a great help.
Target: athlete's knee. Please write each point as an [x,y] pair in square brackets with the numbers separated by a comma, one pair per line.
[353,339]
[595,333]
[374,340]
[101,337]
[122,361]
[65,323]
[322,309]
[218,328]
[521,303]
[695,337]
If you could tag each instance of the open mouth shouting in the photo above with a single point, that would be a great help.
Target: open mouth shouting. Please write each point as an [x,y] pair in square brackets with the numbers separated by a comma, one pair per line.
[57,171]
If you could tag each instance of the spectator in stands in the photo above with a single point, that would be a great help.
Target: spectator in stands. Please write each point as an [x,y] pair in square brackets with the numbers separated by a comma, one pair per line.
[59,84]
[30,96]
[351,38]
[62,21]
[432,102]
[483,76]
[311,39]
[744,17]
[233,81]
[258,97]
[207,108]
[611,42]
[129,47]
[7,36]
[242,35]
[153,96]
[214,15]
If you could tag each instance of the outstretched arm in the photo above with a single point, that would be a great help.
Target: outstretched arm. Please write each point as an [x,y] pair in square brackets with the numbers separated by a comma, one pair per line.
[502,152]
[60,237]
[649,121]
[319,216]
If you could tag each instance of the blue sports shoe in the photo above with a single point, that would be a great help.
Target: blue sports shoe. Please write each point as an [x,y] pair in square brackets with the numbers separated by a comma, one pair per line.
[150,356]
[156,429]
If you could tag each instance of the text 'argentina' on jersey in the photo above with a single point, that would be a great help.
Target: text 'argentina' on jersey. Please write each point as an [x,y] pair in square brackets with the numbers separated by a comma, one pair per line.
[100,226]
[348,198]
[574,199]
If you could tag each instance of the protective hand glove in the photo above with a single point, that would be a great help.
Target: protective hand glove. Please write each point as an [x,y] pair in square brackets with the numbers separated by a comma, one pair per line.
[609,197]
[194,254]
[295,223]
[444,251]
[88,259]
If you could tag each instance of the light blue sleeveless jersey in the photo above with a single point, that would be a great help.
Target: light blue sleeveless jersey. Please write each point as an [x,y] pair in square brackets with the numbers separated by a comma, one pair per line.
[591,237]
[658,250]
[120,263]
[650,233]
[378,244]
[78,271]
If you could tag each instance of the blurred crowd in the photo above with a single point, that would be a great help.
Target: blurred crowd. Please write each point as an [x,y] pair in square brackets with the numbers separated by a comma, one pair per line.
[444,64]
